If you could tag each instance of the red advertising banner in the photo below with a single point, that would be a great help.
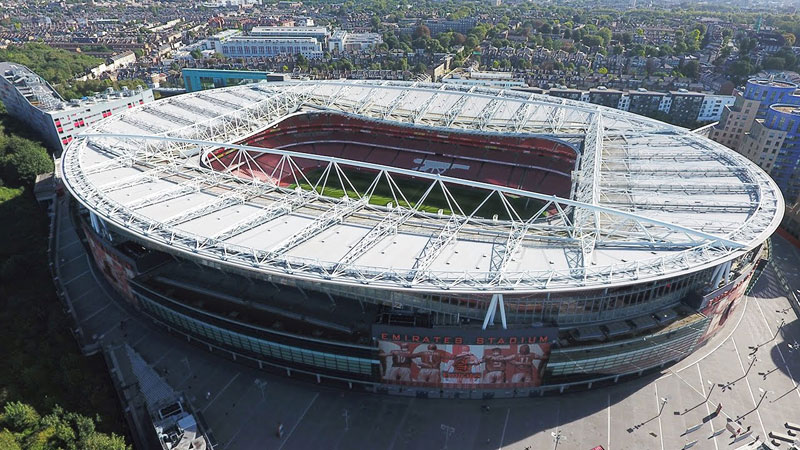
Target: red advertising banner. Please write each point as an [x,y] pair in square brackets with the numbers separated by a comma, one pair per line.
[468,360]
[720,304]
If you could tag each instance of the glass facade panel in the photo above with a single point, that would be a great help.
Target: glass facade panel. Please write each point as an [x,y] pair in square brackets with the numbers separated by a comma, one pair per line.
[237,341]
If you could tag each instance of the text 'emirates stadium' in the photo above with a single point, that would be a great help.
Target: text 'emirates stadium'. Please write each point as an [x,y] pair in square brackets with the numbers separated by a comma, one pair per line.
[422,239]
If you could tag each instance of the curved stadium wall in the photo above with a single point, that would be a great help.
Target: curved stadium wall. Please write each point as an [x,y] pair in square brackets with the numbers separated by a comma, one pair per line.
[403,164]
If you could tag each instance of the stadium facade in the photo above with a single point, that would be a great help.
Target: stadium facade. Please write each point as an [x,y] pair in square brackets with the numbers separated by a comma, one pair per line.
[423,239]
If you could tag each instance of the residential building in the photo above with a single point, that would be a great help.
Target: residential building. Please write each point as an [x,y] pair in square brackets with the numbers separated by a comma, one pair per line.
[758,95]
[459,26]
[265,47]
[734,122]
[769,92]
[321,34]
[791,218]
[712,107]
[605,97]
[774,144]
[265,42]
[645,102]
[492,79]
[685,106]
[343,41]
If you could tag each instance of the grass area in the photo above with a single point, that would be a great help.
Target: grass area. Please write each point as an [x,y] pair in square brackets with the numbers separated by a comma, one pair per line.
[42,365]
[7,193]
[468,198]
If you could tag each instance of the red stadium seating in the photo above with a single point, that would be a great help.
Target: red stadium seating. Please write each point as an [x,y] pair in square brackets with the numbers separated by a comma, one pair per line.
[529,163]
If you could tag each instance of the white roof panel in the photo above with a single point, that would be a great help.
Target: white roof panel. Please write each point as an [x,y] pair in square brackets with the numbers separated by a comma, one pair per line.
[645,193]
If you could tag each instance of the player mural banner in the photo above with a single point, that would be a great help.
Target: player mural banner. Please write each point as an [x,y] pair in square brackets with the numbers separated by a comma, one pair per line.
[720,304]
[465,359]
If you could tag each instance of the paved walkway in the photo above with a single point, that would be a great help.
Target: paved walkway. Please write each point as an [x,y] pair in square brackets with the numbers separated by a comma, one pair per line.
[632,415]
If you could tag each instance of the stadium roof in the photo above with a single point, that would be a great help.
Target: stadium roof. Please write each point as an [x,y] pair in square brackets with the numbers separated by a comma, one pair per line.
[649,200]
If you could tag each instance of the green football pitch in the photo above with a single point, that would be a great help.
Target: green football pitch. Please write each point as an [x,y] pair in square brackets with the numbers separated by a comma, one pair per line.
[466,197]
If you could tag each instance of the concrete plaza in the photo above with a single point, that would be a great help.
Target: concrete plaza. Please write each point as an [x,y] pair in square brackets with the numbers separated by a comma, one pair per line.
[659,411]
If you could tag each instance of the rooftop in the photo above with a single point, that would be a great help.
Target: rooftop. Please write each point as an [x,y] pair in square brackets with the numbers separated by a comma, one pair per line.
[35,89]
[649,200]
[787,109]
[772,82]
[40,94]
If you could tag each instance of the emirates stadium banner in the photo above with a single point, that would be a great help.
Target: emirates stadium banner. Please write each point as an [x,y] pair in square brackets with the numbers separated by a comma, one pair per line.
[466,359]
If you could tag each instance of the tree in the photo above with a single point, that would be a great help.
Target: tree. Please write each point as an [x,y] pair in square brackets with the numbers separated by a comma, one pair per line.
[445,40]
[8,441]
[54,65]
[26,430]
[593,40]
[19,417]
[422,31]
[627,38]
[740,70]
[774,63]
[690,69]
[301,61]
[746,45]
[605,33]
[22,160]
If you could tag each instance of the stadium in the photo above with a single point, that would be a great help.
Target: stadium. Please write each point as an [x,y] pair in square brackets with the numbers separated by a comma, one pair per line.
[423,239]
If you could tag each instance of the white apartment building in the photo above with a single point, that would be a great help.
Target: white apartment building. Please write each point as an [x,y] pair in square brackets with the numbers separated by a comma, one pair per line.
[712,107]
[342,41]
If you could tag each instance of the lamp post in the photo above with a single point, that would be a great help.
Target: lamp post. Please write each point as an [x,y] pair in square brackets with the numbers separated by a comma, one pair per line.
[557,437]
[664,401]
[763,395]
[448,431]
[752,361]
[185,360]
[262,385]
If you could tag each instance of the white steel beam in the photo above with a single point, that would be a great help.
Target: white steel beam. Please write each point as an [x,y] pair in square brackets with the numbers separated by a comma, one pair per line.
[443,178]
[167,116]
[488,111]
[199,110]
[219,102]
[394,104]
[285,205]
[324,221]
[423,108]
[451,115]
